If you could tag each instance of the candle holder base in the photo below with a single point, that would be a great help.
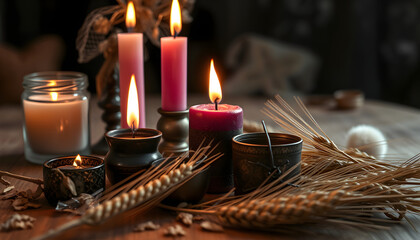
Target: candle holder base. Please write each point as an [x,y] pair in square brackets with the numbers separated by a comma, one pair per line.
[174,127]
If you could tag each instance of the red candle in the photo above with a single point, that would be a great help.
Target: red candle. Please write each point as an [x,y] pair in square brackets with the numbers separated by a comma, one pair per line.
[174,65]
[221,125]
[130,56]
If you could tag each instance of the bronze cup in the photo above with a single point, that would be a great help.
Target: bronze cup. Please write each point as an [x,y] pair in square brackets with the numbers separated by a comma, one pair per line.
[252,163]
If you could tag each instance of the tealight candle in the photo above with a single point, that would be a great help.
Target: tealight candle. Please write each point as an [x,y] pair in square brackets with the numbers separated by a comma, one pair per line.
[88,176]
[220,123]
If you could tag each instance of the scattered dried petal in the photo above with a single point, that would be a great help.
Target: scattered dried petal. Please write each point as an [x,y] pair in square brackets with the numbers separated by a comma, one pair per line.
[185,218]
[22,203]
[67,183]
[146,226]
[211,227]
[11,194]
[8,189]
[17,222]
[174,231]
[182,205]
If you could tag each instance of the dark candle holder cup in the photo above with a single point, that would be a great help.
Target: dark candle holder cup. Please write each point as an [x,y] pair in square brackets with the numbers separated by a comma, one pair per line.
[252,163]
[128,155]
[88,179]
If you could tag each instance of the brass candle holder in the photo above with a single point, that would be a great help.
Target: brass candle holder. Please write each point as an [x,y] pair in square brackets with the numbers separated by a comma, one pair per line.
[174,127]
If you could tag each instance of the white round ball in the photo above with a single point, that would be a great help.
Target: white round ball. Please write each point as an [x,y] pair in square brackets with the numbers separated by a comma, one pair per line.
[367,139]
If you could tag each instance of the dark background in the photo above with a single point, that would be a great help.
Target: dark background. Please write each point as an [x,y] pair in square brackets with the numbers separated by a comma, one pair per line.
[372,45]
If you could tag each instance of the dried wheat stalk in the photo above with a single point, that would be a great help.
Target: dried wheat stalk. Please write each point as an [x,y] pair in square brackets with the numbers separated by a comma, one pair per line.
[143,192]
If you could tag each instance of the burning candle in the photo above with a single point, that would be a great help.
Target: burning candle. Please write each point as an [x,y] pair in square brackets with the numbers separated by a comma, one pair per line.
[220,123]
[174,65]
[130,55]
[77,164]
[131,150]
[86,172]
[56,115]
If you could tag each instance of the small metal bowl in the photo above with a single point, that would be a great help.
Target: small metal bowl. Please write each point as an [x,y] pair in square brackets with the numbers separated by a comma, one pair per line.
[192,191]
[86,180]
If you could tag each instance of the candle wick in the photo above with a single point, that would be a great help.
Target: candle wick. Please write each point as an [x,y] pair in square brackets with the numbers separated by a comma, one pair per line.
[176,34]
[133,130]
[216,104]
[130,29]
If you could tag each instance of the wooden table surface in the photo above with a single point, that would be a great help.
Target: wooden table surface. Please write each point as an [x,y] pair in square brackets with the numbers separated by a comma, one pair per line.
[400,124]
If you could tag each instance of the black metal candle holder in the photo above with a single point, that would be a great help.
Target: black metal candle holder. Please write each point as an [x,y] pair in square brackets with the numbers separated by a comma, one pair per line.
[88,179]
[128,154]
[174,127]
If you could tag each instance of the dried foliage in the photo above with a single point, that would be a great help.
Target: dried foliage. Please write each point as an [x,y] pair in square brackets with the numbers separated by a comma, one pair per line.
[174,231]
[21,200]
[185,218]
[211,226]
[143,190]
[346,187]
[146,226]
[17,222]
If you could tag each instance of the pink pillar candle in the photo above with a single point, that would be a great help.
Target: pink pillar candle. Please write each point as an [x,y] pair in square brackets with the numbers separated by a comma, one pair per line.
[221,126]
[130,56]
[174,73]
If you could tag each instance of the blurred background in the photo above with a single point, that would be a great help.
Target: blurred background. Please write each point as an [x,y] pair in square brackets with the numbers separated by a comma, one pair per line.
[260,47]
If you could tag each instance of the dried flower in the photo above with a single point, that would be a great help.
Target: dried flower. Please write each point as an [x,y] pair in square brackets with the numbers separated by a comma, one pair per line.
[211,227]
[185,218]
[146,226]
[102,25]
[174,231]
[17,222]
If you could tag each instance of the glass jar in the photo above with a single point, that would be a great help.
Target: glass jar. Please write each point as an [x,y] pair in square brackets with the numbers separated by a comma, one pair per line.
[56,115]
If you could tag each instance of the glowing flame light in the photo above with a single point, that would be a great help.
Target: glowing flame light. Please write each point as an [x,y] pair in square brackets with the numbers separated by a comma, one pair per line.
[54,95]
[130,17]
[77,161]
[133,104]
[215,91]
[176,21]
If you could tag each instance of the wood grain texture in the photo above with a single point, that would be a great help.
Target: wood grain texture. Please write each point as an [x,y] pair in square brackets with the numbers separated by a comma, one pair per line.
[400,124]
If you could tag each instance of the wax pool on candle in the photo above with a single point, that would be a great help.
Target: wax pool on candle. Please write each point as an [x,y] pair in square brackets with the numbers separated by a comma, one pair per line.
[56,127]
[174,73]
[130,55]
[220,126]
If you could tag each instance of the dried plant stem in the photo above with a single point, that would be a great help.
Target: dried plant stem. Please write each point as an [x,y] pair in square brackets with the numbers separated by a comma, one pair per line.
[20,177]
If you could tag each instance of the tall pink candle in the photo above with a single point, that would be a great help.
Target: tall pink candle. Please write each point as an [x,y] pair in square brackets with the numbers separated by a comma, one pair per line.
[174,65]
[174,73]
[130,56]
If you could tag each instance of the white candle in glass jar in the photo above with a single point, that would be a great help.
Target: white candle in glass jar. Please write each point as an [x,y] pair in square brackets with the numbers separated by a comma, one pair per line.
[56,123]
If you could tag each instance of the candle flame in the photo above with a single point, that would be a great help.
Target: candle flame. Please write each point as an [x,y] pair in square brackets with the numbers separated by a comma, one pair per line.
[130,16]
[215,91]
[133,104]
[176,22]
[77,161]
[54,95]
